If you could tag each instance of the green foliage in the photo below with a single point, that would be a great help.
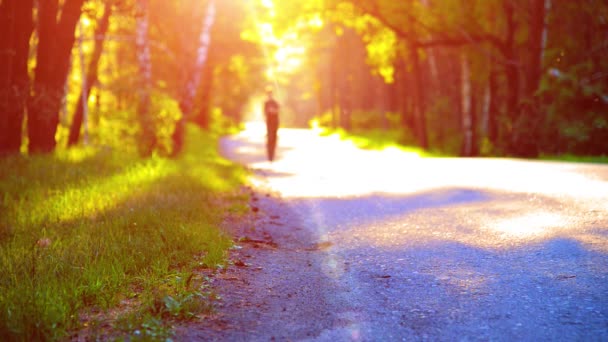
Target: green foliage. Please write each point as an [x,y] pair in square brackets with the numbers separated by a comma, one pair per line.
[166,113]
[554,101]
[361,120]
[178,297]
[379,140]
[84,229]
[576,119]
[577,159]
[444,130]
[146,327]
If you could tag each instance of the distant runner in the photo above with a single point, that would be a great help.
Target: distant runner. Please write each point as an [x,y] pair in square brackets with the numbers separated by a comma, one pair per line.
[271,113]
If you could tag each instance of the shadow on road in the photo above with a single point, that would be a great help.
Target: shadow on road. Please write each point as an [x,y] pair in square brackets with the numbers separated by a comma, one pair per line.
[358,210]
[461,262]
[552,290]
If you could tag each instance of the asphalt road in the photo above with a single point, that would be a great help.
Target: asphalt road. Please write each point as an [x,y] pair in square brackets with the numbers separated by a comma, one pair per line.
[385,246]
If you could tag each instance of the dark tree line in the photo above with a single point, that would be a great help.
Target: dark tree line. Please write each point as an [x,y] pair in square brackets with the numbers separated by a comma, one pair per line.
[507,77]
[482,77]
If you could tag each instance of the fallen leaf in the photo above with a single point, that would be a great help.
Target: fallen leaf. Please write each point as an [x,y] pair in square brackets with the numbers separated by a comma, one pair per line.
[565,276]
[43,243]
[385,276]
[320,246]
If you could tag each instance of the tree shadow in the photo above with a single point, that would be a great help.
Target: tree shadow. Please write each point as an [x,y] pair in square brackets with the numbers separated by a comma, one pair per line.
[346,211]
[414,271]
[441,290]
[32,173]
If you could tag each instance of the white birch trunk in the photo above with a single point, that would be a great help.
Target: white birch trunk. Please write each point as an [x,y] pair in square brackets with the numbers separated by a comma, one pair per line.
[201,57]
[142,44]
[143,48]
[431,55]
[84,93]
[467,146]
[485,115]
[193,83]
[545,35]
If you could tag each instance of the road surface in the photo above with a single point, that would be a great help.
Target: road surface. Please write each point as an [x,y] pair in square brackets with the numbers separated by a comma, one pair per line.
[386,246]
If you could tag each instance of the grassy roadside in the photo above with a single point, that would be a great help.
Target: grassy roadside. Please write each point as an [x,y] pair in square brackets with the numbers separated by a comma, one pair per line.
[578,159]
[380,140]
[86,231]
[377,140]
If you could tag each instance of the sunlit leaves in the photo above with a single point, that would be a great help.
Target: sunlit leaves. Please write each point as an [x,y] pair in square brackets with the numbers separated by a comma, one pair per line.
[382,51]
[283,30]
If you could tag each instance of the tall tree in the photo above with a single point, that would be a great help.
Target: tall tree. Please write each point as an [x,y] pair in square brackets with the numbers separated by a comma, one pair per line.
[192,85]
[56,29]
[16,26]
[468,108]
[148,136]
[537,29]
[91,76]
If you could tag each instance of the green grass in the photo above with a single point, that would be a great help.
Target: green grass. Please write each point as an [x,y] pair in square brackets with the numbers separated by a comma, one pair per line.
[86,230]
[380,140]
[377,140]
[578,159]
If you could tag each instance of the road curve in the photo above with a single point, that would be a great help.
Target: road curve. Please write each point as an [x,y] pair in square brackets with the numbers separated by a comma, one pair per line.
[409,248]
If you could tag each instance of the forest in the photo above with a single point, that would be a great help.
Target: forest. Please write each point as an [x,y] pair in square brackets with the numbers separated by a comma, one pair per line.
[462,77]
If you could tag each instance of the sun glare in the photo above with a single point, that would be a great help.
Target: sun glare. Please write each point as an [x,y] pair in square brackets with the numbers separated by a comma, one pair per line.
[86,22]
[289,58]
[529,225]
[266,33]
[316,22]
[284,52]
[267,3]
[288,54]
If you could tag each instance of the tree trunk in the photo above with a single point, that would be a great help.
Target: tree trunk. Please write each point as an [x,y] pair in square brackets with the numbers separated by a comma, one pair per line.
[434,80]
[492,108]
[203,118]
[384,94]
[56,39]
[474,126]
[535,46]
[545,34]
[100,32]
[345,89]
[148,136]
[528,121]
[420,109]
[7,27]
[334,91]
[403,95]
[512,69]
[466,149]
[193,84]
[16,25]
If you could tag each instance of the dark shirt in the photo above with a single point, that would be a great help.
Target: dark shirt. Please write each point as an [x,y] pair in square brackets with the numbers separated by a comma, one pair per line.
[271,108]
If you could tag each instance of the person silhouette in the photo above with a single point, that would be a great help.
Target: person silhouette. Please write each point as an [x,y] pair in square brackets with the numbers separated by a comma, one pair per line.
[271,114]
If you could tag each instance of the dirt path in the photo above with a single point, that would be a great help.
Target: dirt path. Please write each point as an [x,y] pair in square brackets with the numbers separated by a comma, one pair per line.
[275,290]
